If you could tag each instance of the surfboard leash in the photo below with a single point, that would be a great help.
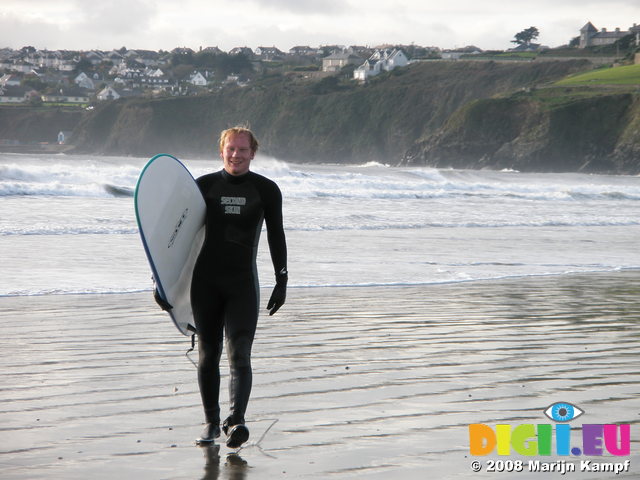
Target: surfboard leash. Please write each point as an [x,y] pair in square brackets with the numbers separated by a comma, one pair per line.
[257,444]
[193,346]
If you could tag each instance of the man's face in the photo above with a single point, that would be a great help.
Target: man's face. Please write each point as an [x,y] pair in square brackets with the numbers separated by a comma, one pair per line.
[237,154]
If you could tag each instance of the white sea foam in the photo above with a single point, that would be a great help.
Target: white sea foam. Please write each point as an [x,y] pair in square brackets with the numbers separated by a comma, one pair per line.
[68,178]
[374,181]
[67,224]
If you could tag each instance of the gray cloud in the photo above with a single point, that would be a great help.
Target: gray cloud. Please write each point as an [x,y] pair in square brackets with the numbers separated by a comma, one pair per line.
[128,17]
[18,33]
[327,7]
[155,24]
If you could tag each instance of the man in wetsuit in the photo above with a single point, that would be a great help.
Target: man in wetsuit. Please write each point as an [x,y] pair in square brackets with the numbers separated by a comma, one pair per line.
[224,289]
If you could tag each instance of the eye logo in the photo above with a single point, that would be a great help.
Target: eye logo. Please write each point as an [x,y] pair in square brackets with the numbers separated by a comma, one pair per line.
[563,412]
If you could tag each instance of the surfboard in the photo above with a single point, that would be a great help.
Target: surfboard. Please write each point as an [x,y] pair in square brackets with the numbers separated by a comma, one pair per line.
[170,212]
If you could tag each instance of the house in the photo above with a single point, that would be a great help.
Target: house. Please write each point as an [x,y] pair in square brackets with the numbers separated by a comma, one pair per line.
[130,77]
[269,53]
[197,79]
[235,79]
[156,82]
[337,60]
[148,58]
[590,36]
[63,137]
[45,59]
[246,51]
[211,50]
[303,51]
[114,56]
[21,66]
[84,81]
[13,94]
[136,79]
[67,95]
[95,58]
[10,80]
[185,51]
[108,93]
[380,61]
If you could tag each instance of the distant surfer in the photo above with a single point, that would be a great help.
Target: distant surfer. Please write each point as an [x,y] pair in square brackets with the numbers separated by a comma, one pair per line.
[224,289]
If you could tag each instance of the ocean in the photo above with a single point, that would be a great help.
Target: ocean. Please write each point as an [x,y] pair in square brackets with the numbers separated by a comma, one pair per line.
[422,301]
[67,224]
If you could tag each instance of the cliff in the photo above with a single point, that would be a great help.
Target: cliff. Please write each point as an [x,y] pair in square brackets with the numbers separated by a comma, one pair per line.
[313,121]
[552,130]
[35,125]
[461,114]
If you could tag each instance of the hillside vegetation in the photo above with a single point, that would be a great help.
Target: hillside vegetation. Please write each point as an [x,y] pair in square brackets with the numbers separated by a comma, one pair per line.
[622,75]
[38,124]
[466,114]
[556,128]
[324,121]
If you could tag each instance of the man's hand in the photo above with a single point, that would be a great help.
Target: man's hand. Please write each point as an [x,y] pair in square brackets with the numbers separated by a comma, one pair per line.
[279,294]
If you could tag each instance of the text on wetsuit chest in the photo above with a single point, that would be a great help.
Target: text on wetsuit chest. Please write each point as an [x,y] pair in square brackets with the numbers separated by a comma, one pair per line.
[233,205]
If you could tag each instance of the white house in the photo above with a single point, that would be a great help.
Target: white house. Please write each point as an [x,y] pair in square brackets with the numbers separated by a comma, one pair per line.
[64,136]
[108,93]
[380,61]
[197,79]
[154,73]
[84,81]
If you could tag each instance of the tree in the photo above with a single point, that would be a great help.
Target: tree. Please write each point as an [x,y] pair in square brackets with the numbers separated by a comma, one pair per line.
[33,83]
[83,65]
[526,36]
[326,85]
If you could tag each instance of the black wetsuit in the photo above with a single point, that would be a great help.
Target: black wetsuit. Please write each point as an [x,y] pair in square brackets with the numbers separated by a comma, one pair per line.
[224,291]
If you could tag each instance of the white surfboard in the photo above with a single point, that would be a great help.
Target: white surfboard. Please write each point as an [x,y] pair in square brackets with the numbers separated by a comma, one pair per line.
[170,212]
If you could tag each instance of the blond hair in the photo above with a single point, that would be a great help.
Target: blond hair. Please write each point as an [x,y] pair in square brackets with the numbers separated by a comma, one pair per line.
[239,130]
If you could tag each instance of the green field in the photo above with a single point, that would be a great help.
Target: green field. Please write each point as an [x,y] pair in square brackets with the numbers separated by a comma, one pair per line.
[625,75]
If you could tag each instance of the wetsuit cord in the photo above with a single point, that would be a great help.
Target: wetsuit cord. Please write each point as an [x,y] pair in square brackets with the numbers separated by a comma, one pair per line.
[193,345]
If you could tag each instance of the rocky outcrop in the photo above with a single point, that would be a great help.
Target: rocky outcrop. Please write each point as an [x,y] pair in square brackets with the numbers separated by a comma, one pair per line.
[444,114]
[593,133]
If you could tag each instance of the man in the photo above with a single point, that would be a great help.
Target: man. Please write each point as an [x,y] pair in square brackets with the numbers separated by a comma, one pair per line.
[224,289]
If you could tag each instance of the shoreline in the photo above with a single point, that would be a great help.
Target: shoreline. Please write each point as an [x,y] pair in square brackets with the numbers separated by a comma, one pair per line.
[349,382]
[266,287]
[37,148]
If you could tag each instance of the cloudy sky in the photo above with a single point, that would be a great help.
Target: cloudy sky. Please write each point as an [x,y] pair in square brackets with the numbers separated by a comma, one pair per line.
[165,24]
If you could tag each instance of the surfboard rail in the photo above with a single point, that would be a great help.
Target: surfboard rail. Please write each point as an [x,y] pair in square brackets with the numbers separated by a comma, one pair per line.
[170,213]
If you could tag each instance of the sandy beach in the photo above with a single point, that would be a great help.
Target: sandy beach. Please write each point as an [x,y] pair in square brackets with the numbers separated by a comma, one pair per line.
[356,382]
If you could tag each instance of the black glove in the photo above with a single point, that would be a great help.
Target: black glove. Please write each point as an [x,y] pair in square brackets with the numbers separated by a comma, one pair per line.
[164,305]
[279,294]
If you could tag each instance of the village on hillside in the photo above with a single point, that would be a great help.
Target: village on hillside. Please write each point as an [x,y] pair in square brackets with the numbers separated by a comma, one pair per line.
[35,77]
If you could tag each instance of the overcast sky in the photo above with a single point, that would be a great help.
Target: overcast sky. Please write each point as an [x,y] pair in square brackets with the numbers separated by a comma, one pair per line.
[164,24]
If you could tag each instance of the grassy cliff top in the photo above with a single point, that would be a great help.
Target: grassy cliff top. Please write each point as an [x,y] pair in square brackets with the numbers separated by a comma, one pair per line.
[622,75]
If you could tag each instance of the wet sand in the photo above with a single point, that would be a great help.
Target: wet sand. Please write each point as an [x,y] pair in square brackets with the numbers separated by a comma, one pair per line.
[348,382]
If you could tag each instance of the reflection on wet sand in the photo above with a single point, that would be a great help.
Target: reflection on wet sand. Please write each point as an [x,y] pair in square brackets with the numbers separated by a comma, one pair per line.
[378,382]
[234,468]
